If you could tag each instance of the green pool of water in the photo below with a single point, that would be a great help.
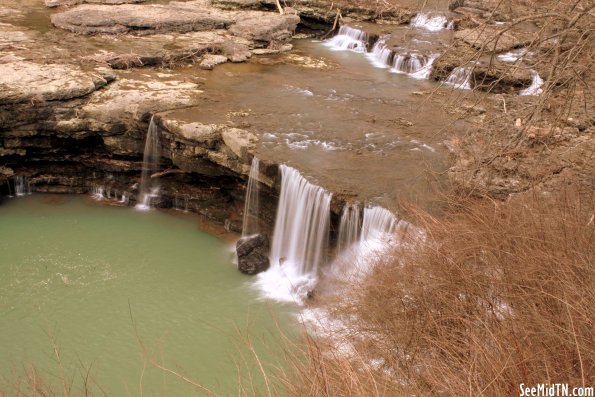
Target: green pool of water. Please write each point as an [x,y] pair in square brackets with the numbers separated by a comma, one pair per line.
[116,290]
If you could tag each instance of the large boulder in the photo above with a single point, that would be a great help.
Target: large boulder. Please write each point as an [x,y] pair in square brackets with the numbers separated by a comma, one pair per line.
[139,19]
[253,254]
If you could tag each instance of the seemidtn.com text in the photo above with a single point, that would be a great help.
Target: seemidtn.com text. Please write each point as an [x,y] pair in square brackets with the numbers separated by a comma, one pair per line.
[555,390]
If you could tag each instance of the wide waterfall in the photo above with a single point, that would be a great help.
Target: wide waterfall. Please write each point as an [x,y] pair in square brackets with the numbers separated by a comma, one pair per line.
[148,188]
[251,204]
[21,186]
[300,238]
[433,23]
[460,78]
[349,39]
[349,227]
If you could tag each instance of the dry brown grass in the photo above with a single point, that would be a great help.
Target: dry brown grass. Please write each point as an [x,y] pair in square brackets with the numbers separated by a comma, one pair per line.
[498,295]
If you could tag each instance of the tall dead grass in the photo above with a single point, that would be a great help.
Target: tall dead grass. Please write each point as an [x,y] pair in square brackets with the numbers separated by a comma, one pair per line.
[499,294]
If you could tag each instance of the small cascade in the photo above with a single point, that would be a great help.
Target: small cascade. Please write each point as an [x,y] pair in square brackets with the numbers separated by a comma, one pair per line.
[515,55]
[414,64]
[349,227]
[433,23]
[98,193]
[251,204]
[148,189]
[349,39]
[300,238]
[377,222]
[381,56]
[535,87]
[377,236]
[123,199]
[407,62]
[21,186]
[460,78]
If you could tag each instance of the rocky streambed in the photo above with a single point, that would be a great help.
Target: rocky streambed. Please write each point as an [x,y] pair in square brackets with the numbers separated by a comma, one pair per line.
[227,80]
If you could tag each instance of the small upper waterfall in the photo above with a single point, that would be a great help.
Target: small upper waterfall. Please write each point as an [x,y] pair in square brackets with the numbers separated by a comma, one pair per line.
[433,23]
[148,189]
[535,87]
[460,78]
[251,204]
[300,238]
[349,39]
[21,186]
[349,227]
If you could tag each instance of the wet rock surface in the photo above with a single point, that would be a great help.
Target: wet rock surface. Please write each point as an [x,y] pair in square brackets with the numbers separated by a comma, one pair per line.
[253,254]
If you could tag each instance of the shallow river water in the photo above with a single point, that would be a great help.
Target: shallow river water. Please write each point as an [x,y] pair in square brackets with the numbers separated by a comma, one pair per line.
[79,275]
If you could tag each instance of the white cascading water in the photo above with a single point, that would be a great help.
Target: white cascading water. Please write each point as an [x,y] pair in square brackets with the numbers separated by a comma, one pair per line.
[381,55]
[414,64]
[21,186]
[535,87]
[349,38]
[148,189]
[251,204]
[377,222]
[459,78]
[98,193]
[300,238]
[349,227]
[514,55]
[433,23]
[376,237]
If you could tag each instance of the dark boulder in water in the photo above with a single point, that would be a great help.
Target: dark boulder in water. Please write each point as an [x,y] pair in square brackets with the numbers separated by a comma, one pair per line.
[253,254]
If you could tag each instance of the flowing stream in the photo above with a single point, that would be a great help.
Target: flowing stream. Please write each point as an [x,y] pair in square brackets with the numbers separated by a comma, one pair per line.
[82,274]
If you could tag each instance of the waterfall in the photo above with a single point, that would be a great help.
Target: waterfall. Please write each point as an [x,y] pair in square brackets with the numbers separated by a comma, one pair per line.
[535,87]
[377,222]
[377,237]
[414,64]
[433,23]
[460,78]
[300,238]
[251,203]
[408,62]
[381,56]
[349,39]
[349,227]
[98,193]
[148,189]
[21,186]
